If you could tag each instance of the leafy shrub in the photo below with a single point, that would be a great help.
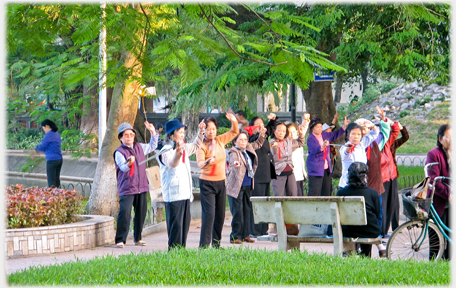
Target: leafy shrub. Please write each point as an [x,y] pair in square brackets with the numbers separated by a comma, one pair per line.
[386,86]
[404,113]
[426,99]
[34,207]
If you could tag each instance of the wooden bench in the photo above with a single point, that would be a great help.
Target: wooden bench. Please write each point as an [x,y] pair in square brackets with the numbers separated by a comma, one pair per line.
[328,210]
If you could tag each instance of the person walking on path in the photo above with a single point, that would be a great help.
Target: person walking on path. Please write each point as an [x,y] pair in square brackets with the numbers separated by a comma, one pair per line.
[211,158]
[51,147]
[132,183]
[264,175]
[176,180]
[243,163]
[318,161]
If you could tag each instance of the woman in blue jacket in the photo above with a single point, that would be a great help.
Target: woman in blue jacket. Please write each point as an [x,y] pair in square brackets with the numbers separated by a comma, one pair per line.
[318,162]
[50,146]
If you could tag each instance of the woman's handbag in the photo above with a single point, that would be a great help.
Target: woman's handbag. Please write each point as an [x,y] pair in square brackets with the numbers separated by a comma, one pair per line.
[419,191]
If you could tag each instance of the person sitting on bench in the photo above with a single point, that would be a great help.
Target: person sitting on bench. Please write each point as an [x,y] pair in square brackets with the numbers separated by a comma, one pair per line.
[357,186]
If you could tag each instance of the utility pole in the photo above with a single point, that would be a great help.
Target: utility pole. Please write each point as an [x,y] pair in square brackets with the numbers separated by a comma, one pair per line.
[293,102]
[102,101]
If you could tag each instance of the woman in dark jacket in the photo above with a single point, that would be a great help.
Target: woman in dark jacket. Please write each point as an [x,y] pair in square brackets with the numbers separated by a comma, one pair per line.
[264,175]
[442,194]
[357,186]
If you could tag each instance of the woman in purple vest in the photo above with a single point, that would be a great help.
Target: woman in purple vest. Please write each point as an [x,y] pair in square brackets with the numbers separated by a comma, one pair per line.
[132,181]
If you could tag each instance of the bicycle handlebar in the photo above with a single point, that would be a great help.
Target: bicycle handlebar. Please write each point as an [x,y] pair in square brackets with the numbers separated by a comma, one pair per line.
[438,178]
[426,168]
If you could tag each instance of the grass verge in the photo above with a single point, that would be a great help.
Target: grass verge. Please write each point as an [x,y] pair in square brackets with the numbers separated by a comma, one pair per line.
[233,266]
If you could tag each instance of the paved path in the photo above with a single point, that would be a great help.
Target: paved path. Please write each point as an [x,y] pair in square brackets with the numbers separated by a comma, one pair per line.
[155,241]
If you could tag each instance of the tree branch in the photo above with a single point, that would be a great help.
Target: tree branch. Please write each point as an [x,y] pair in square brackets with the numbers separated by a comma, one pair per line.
[46,16]
[231,47]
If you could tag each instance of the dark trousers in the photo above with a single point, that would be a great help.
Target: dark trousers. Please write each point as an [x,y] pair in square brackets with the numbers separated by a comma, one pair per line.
[284,186]
[300,187]
[260,189]
[389,202]
[53,168]
[213,202]
[177,222]
[139,203]
[395,216]
[433,240]
[240,208]
[320,185]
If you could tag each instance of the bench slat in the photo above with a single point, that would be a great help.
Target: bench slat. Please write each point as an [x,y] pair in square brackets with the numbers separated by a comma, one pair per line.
[311,212]
[322,239]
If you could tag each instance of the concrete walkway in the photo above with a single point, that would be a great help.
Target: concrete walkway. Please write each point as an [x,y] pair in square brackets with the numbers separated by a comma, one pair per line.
[155,241]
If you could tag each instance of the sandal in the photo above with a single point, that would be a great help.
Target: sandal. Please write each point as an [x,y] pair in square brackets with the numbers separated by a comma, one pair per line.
[140,243]
[120,245]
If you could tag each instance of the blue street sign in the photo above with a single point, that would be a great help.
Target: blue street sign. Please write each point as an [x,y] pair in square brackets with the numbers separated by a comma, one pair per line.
[323,76]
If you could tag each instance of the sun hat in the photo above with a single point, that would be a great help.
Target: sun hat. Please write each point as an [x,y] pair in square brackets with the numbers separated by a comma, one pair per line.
[172,125]
[326,126]
[124,126]
[364,122]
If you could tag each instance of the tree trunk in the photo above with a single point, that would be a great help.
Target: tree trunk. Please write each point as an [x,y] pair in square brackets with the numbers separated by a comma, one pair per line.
[338,89]
[191,119]
[104,197]
[89,120]
[364,79]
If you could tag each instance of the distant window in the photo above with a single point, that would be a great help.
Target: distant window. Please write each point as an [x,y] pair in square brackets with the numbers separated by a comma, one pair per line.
[33,125]
[23,123]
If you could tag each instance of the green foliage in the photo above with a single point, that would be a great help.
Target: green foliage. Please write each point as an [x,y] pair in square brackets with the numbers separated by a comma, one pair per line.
[404,113]
[426,99]
[235,267]
[34,207]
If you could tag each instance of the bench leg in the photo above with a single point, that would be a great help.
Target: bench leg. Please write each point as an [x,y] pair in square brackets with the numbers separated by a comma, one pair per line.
[281,228]
[337,229]
[159,215]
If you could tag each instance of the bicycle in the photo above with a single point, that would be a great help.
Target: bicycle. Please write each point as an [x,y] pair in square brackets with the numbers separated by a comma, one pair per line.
[424,236]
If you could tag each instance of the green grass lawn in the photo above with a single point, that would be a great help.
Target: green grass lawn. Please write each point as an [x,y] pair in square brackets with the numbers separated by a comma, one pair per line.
[233,267]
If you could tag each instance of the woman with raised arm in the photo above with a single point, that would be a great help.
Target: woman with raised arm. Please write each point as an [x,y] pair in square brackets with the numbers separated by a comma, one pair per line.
[176,180]
[211,158]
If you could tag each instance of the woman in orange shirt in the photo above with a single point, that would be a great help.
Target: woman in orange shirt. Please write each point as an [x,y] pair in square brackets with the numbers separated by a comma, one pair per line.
[211,158]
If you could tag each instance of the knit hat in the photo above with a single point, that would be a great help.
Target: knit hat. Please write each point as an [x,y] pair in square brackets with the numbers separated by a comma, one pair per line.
[172,125]
[122,127]
[314,122]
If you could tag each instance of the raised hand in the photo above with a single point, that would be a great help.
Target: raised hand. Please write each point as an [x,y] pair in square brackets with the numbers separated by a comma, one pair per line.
[231,117]
[306,117]
[271,116]
[150,127]
[381,112]
[202,126]
[346,122]
[263,130]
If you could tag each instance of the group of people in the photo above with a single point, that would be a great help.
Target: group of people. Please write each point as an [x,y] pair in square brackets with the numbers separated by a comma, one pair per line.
[368,169]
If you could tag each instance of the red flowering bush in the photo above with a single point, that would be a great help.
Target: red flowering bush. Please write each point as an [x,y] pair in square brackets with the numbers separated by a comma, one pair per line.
[34,207]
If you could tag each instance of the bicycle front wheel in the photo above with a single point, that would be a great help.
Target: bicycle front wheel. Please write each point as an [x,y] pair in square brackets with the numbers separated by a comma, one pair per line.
[407,242]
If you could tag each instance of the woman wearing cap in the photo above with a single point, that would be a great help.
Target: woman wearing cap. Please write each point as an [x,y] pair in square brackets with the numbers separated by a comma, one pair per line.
[318,161]
[50,145]
[132,182]
[176,180]
[357,186]
[211,158]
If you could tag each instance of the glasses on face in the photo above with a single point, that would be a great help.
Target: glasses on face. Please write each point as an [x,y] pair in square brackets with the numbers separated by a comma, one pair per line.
[242,139]
[129,135]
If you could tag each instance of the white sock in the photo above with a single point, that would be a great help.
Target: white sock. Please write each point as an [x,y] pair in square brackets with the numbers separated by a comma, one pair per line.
[381,247]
